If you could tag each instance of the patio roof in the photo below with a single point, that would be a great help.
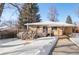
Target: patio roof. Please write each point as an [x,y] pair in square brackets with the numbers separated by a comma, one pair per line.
[53,24]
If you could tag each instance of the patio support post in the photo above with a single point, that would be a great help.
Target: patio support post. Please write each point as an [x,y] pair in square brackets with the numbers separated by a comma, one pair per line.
[27,26]
[50,31]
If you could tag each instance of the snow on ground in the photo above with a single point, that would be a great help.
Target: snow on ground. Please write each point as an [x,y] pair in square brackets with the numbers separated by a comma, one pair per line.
[65,47]
[75,38]
[16,46]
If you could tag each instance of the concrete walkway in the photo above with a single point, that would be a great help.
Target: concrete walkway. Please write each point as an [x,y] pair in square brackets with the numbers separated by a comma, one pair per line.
[14,46]
[65,47]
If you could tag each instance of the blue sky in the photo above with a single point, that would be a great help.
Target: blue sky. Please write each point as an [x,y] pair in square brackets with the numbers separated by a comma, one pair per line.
[63,10]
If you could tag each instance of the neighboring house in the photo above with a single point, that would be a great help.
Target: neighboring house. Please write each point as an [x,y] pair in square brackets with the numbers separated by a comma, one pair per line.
[76,29]
[8,32]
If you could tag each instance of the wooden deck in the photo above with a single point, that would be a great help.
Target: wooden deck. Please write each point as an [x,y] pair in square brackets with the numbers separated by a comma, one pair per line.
[65,47]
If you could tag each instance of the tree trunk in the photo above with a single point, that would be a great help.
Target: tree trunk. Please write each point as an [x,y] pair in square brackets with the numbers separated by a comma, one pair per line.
[1,8]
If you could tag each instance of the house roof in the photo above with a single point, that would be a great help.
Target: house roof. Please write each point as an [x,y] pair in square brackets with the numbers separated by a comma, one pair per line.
[53,24]
[3,28]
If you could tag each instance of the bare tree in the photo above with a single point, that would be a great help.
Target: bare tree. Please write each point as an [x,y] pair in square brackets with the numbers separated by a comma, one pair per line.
[17,6]
[53,14]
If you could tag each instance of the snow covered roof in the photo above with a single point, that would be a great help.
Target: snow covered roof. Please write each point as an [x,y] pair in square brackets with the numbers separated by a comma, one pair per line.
[4,28]
[53,24]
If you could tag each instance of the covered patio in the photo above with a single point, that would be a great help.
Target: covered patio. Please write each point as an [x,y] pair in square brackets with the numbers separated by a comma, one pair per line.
[49,28]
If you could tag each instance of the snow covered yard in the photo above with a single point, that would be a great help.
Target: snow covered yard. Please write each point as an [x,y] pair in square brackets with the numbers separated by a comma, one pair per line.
[14,46]
[75,38]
